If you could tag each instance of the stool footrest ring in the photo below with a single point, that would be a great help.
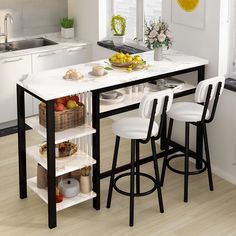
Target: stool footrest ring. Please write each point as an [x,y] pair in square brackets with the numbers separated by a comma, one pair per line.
[135,194]
[182,172]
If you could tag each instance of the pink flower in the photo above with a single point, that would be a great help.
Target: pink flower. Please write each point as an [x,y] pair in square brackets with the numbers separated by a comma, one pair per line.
[153,34]
[161,37]
[169,34]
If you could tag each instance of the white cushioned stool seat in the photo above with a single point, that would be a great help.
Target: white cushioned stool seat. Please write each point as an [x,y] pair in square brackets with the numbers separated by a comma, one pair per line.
[134,128]
[187,112]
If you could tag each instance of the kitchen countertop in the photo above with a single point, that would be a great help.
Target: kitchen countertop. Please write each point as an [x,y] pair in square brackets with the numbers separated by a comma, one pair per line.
[42,83]
[62,44]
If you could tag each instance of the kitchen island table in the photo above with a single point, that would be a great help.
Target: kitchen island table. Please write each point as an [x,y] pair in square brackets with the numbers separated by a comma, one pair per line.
[49,85]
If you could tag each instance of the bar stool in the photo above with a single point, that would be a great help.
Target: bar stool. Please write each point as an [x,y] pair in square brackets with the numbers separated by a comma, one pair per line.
[196,113]
[140,129]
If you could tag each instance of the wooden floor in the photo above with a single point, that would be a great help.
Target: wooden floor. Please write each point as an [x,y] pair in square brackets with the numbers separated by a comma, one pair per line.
[207,213]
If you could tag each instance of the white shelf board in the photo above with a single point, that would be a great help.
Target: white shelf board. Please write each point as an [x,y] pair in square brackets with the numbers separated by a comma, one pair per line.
[67,202]
[76,161]
[77,132]
[130,99]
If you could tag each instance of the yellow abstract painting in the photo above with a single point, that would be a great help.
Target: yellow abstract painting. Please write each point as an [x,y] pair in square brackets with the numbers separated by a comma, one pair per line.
[188,5]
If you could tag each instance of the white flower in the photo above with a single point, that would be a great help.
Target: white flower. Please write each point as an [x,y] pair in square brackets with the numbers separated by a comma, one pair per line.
[151,40]
[169,34]
[153,34]
[161,37]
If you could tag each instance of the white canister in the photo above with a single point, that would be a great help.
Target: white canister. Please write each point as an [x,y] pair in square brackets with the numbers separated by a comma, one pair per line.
[69,187]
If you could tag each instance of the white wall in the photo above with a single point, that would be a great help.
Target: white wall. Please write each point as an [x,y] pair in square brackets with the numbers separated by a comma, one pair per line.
[210,43]
[92,22]
[33,17]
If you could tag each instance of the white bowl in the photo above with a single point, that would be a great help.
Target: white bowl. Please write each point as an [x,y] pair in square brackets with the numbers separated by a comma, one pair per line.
[109,95]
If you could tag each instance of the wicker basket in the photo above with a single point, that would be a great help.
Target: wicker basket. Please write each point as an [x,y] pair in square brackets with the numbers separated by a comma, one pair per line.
[69,118]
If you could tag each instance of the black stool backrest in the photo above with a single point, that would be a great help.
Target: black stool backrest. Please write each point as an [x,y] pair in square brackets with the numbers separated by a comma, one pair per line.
[209,90]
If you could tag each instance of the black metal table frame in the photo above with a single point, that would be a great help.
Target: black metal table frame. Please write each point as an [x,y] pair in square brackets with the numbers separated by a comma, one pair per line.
[97,175]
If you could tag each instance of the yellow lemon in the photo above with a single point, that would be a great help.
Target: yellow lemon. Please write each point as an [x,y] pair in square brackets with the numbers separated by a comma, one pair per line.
[188,5]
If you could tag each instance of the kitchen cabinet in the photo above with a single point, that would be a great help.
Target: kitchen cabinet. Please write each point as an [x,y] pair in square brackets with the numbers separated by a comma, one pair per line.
[12,70]
[77,55]
[47,60]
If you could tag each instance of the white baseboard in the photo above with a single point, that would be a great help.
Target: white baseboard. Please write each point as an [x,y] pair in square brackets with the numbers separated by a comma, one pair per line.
[224,175]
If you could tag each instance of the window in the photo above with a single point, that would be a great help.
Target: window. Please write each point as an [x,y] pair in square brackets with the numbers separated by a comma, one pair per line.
[136,12]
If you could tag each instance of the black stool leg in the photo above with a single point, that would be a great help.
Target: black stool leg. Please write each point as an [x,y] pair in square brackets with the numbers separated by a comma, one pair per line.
[186,164]
[113,171]
[137,168]
[166,152]
[157,176]
[131,208]
[208,158]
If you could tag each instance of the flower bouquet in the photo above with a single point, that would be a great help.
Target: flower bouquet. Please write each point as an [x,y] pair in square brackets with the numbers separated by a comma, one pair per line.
[158,36]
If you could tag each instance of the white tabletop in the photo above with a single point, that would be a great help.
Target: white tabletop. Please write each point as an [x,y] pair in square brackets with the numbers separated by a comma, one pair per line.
[50,84]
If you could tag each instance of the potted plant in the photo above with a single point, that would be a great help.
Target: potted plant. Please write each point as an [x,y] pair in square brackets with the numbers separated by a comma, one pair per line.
[85,180]
[67,28]
[118,26]
[158,36]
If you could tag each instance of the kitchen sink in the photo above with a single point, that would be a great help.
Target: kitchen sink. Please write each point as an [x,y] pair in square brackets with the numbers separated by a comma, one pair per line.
[5,48]
[30,43]
[25,44]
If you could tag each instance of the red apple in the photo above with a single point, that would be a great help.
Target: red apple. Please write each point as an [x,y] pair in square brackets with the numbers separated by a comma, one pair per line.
[75,98]
[59,107]
[62,100]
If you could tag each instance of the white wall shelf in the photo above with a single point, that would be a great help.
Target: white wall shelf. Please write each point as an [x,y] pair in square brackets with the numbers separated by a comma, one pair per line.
[77,132]
[65,165]
[130,99]
[67,202]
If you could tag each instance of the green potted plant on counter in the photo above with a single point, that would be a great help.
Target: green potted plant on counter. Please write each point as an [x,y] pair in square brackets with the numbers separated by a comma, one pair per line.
[118,26]
[67,28]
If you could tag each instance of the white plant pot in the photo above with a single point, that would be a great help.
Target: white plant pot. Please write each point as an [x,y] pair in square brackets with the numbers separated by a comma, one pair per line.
[118,40]
[67,33]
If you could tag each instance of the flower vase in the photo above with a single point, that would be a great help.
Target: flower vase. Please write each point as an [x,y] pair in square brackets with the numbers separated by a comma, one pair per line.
[158,54]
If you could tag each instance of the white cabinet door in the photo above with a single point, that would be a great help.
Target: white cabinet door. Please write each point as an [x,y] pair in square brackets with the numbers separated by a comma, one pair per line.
[47,60]
[77,55]
[11,70]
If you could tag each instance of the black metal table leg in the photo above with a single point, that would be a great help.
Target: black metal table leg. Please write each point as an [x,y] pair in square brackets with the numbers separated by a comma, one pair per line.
[21,141]
[52,213]
[199,138]
[96,149]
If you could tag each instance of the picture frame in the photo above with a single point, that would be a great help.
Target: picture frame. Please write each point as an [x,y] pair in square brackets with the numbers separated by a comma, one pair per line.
[194,18]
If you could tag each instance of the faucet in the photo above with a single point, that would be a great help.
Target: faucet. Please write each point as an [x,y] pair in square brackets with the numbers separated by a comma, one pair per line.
[8,15]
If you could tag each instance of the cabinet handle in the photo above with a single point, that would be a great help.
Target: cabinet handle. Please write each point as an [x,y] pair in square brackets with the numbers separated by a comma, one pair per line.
[14,60]
[47,55]
[76,49]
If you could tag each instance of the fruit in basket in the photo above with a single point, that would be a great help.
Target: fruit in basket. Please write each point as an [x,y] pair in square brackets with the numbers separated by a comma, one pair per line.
[75,98]
[71,104]
[121,59]
[59,107]
[62,100]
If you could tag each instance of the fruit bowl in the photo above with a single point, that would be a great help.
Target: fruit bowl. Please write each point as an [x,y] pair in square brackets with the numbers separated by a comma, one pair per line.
[64,149]
[124,64]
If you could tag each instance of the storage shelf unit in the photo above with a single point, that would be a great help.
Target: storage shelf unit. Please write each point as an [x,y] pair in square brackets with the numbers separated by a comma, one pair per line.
[77,132]
[67,202]
[64,165]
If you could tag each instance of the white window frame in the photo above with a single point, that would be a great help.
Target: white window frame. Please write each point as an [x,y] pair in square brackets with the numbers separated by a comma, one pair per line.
[139,19]
[232,52]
